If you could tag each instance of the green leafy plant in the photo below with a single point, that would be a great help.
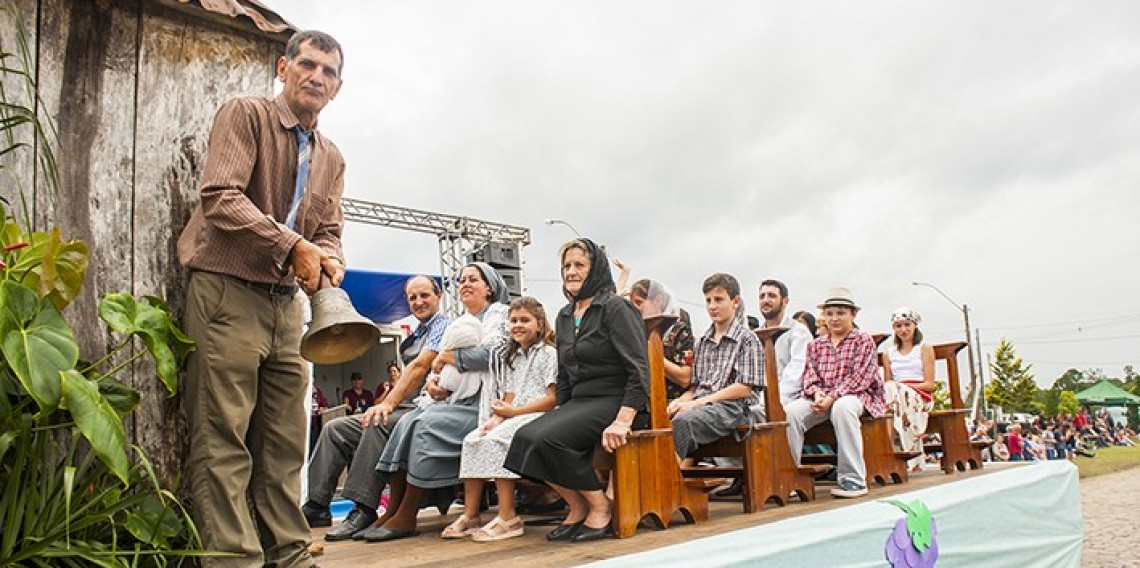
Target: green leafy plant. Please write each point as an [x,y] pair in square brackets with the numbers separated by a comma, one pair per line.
[75,493]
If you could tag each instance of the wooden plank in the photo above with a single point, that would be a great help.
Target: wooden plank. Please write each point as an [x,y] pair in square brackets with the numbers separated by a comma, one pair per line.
[17,174]
[86,80]
[534,551]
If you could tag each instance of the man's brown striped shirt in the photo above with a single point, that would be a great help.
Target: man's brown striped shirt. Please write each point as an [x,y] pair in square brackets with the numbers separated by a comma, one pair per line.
[247,187]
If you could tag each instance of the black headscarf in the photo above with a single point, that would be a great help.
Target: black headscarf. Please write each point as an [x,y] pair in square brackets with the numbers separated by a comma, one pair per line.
[599,280]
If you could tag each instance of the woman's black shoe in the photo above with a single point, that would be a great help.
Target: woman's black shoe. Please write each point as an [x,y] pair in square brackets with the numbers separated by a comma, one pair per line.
[565,531]
[542,508]
[587,534]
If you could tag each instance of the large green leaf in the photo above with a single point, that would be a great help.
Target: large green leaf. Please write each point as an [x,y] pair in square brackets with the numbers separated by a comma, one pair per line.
[98,422]
[179,342]
[152,323]
[52,267]
[37,343]
[10,234]
[121,397]
[153,522]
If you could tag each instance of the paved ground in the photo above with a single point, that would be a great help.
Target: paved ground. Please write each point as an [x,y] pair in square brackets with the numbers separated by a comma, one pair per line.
[1110,505]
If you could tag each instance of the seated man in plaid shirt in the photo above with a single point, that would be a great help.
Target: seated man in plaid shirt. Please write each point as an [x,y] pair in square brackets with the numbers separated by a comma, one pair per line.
[841,381]
[728,372]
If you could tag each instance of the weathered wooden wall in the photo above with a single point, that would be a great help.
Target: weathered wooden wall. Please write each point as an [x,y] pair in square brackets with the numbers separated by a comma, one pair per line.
[18,167]
[132,87]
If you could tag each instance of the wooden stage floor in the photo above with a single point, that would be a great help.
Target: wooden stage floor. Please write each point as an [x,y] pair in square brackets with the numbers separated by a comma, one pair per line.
[533,550]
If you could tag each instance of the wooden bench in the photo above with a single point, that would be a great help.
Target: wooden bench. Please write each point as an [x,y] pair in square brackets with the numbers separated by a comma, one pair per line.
[768,471]
[958,452]
[883,463]
[646,475]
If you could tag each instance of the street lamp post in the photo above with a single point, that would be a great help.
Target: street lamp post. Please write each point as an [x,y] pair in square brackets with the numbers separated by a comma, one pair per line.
[553,222]
[969,344]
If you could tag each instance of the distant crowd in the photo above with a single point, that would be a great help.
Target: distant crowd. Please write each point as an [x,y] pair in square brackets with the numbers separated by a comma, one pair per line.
[1063,436]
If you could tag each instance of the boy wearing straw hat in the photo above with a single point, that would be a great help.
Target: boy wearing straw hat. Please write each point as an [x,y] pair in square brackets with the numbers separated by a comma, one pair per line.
[841,382]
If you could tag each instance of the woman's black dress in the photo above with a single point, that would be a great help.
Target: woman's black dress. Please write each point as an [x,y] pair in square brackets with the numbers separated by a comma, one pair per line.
[601,367]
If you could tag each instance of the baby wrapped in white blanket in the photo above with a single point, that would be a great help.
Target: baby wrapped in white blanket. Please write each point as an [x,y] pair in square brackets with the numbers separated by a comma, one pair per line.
[465,331]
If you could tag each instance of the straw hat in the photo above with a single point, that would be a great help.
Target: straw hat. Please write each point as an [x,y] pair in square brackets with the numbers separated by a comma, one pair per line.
[839,296]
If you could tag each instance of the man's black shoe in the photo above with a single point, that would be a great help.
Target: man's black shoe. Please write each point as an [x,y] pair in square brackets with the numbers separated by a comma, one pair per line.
[735,489]
[830,474]
[357,520]
[316,515]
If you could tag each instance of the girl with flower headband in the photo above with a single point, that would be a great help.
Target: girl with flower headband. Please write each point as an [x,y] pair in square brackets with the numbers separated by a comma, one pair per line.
[908,372]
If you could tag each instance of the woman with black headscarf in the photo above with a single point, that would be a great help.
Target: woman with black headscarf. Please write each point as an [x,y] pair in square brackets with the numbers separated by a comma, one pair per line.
[603,378]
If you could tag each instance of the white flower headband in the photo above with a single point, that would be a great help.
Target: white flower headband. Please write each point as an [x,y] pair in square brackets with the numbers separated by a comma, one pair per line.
[906,314]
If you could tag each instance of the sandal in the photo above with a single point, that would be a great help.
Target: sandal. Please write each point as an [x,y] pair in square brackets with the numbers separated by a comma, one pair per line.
[461,527]
[498,529]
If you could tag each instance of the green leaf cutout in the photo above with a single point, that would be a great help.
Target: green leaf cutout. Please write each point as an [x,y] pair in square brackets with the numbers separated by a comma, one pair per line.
[918,522]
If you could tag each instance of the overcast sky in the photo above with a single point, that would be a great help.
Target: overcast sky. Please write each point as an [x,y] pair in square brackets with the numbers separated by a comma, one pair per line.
[990,148]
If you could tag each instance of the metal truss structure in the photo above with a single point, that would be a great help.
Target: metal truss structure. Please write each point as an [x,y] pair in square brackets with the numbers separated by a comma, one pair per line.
[459,236]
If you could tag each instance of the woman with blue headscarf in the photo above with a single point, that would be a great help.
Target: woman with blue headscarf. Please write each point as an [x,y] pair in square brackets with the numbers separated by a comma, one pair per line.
[424,449]
[603,378]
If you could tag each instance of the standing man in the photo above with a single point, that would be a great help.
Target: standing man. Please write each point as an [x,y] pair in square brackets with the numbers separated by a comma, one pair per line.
[791,347]
[841,381]
[269,222]
[358,399]
[358,441]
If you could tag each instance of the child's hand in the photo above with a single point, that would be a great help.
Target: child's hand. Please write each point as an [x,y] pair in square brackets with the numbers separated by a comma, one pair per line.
[502,409]
[490,424]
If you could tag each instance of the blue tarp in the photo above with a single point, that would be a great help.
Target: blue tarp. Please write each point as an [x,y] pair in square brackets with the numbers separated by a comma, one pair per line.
[378,296]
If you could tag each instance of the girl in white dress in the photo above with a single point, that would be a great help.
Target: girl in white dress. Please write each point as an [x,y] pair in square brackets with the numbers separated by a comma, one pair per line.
[520,389]
[908,374]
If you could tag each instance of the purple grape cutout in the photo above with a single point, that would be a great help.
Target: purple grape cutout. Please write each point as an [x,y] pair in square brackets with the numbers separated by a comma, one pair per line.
[911,543]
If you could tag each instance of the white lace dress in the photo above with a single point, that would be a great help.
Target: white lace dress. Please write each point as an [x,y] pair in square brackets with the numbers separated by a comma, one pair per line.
[529,377]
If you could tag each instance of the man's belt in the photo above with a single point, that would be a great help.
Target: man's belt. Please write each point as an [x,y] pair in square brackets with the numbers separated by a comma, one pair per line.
[272,289]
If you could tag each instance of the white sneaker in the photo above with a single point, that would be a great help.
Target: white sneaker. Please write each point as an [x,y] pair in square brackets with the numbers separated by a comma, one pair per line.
[848,489]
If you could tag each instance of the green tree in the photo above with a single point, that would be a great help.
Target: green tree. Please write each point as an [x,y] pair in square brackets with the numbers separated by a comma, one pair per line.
[1131,380]
[1049,399]
[1071,380]
[941,396]
[1068,404]
[1012,386]
[1132,385]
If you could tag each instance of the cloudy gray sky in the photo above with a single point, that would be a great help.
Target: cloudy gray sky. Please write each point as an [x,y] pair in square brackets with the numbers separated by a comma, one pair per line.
[990,148]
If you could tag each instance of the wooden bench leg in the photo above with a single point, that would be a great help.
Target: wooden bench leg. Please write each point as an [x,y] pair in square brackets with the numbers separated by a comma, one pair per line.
[879,457]
[627,491]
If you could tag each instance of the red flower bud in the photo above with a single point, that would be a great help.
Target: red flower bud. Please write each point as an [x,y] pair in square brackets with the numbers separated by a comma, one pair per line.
[16,246]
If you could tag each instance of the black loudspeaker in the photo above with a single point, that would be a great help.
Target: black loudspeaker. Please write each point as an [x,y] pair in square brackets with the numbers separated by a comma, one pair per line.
[499,255]
[504,257]
[513,279]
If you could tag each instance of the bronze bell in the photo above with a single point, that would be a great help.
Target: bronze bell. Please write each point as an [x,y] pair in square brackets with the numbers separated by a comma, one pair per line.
[338,333]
